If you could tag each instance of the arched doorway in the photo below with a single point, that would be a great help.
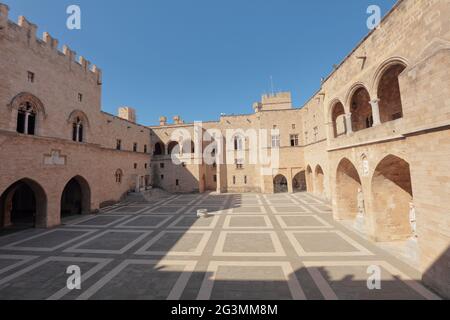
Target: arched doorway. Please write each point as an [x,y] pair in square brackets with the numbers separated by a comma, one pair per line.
[338,119]
[361,110]
[309,180]
[299,182]
[389,94]
[76,198]
[348,186]
[392,195]
[319,180]
[280,184]
[23,205]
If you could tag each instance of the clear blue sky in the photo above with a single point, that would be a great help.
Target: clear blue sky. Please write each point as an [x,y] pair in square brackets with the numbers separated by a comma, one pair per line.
[200,58]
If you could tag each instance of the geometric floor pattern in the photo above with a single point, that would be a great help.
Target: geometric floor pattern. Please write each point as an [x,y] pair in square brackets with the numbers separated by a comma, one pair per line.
[253,246]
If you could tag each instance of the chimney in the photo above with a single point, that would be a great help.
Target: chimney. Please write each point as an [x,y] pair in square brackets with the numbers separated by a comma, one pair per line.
[177,120]
[162,121]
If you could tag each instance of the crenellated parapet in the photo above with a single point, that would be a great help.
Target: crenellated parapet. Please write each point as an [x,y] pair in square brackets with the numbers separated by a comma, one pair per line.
[25,31]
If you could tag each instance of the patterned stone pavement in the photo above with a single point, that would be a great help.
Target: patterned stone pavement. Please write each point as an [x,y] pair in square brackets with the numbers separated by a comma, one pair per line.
[252,247]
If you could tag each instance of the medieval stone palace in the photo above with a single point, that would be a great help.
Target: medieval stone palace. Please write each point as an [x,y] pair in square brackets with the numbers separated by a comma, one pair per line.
[374,140]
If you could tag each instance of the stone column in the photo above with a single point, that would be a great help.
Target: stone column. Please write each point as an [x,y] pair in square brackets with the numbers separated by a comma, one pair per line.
[25,130]
[375,112]
[348,123]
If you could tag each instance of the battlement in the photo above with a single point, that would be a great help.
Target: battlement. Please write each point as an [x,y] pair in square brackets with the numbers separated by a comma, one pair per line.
[25,31]
[277,101]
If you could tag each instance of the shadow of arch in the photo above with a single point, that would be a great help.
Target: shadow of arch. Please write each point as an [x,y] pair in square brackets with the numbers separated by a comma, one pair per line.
[299,182]
[280,184]
[309,180]
[392,195]
[23,204]
[319,179]
[348,184]
[76,197]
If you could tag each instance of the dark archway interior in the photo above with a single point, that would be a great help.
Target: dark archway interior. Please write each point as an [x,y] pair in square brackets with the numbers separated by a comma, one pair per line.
[389,94]
[361,110]
[299,182]
[72,199]
[280,184]
[23,210]
[159,149]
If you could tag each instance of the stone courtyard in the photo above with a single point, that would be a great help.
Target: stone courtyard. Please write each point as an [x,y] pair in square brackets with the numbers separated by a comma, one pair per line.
[253,246]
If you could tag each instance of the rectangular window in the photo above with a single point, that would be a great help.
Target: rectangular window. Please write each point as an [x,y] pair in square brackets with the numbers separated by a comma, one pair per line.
[135,147]
[245,179]
[119,144]
[135,165]
[161,165]
[234,179]
[162,177]
[30,76]
[146,165]
[177,182]
[294,140]
[275,141]
[80,97]
[239,163]
[215,178]
[145,148]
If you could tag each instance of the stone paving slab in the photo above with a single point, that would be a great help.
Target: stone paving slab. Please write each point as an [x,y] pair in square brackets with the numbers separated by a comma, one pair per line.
[253,246]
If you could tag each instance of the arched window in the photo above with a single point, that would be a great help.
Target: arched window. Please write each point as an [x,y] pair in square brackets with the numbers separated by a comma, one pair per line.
[173,147]
[338,120]
[119,175]
[26,119]
[77,130]
[361,110]
[389,94]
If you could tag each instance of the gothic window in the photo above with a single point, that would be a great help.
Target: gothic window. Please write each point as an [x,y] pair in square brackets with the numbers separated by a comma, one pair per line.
[26,119]
[77,130]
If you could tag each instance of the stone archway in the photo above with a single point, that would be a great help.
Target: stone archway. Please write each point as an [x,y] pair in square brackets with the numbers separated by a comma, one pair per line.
[390,103]
[76,197]
[361,110]
[319,179]
[23,205]
[159,149]
[348,185]
[391,198]
[280,184]
[173,147]
[338,119]
[299,182]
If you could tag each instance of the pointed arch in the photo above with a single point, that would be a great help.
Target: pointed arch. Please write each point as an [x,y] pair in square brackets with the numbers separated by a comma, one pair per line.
[23,204]
[348,186]
[392,196]
[76,197]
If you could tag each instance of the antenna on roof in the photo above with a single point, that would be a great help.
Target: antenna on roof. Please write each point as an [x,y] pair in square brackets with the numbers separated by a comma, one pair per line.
[271,85]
